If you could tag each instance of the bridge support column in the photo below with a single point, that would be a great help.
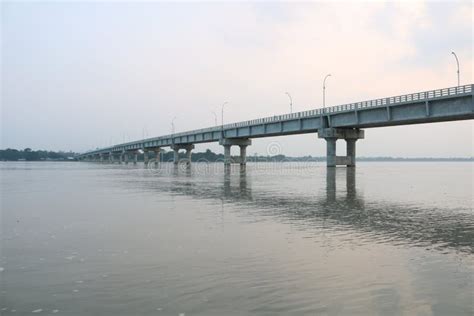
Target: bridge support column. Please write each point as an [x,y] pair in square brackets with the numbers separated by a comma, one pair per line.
[125,158]
[227,158]
[331,152]
[111,157]
[331,135]
[188,154]
[243,154]
[175,155]
[241,142]
[157,156]
[187,147]
[351,151]
[135,157]
[145,156]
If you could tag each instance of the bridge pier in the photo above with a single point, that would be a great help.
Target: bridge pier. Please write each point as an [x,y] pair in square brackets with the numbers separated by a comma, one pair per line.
[350,135]
[157,156]
[135,157]
[187,147]
[229,142]
[125,157]
[145,156]
[111,157]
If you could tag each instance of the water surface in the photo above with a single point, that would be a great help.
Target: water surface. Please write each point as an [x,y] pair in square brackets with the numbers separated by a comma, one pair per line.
[274,239]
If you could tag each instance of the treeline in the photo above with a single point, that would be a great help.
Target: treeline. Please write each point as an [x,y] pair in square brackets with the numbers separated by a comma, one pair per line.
[28,154]
[43,155]
[211,156]
[208,155]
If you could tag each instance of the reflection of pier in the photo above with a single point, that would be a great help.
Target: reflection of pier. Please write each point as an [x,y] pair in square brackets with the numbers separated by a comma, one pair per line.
[242,191]
[392,222]
[331,183]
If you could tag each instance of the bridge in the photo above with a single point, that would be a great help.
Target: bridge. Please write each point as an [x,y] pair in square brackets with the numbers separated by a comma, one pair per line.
[345,121]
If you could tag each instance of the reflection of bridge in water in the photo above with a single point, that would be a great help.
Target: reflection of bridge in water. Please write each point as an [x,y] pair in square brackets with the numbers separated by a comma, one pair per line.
[386,222]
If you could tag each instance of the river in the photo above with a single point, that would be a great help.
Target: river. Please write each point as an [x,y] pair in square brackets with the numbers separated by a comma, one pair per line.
[384,238]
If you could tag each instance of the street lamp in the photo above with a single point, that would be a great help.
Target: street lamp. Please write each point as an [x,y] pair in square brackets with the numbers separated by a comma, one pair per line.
[172,129]
[172,125]
[291,102]
[457,62]
[324,90]
[222,113]
[222,117]
[215,117]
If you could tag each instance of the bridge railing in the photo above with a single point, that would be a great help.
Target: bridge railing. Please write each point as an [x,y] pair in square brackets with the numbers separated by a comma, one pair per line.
[418,96]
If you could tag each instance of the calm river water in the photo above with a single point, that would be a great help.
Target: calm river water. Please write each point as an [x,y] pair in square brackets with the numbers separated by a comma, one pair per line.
[274,239]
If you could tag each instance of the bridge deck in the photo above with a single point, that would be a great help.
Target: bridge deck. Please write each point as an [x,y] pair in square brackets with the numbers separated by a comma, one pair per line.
[448,104]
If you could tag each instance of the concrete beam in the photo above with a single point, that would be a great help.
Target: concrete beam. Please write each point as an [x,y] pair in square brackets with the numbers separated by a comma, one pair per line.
[341,133]
[235,142]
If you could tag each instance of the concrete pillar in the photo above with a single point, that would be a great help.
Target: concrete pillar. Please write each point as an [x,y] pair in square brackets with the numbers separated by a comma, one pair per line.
[187,147]
[145,157]
[243,154]
[176,155]
[227,158]
[331,135]
[188,155]
[331,152]
[351,151]
[241,142]
[111,157]
[135,157]
[157,156]
[125,157]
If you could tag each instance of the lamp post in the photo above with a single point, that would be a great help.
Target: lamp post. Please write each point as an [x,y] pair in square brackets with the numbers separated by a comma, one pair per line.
[324,90]
[457,62]
[172,130]
[291,102]
[222,113]
[222,118]
[215,117]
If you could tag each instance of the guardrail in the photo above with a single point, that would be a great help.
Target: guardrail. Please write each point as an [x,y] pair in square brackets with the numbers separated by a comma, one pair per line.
[418,96]
[431,94]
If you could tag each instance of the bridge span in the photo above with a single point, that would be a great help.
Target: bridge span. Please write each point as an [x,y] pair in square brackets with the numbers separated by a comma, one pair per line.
[345,121]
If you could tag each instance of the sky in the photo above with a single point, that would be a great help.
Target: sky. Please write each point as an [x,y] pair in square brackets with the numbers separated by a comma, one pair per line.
[81,75]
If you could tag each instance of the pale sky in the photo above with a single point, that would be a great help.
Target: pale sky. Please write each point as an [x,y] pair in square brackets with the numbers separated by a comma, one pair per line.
[81,75]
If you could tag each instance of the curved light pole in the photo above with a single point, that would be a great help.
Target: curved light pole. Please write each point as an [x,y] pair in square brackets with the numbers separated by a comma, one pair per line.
[172,130]
[222,118]
[324,90]
[215,117]
[457,62]
[291,102]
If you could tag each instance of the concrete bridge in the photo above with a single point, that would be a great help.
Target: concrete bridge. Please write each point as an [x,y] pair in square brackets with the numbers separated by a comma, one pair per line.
[345,121]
